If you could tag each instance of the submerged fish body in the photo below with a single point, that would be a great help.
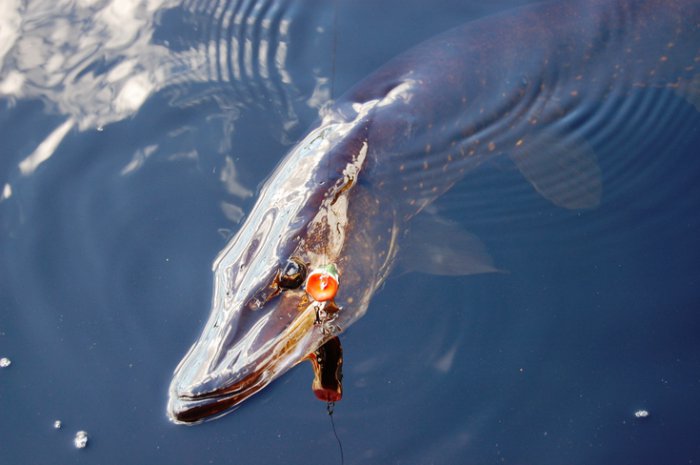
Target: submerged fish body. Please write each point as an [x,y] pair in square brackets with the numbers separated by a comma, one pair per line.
[529,84]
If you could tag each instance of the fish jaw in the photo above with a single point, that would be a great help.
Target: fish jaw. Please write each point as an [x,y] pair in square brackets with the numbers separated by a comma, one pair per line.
[255,331]
[203,389]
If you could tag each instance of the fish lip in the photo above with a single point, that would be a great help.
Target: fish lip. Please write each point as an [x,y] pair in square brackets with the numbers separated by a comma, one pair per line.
[189,408]
[192,409]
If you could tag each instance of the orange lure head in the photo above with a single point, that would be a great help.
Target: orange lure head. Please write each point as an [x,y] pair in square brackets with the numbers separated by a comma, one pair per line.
[322,283]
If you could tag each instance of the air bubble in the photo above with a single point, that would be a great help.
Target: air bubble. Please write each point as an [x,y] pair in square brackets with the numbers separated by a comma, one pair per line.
[80,440]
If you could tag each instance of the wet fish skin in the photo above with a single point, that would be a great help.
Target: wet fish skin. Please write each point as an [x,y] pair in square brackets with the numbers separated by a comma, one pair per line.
[549,74]
[532,83]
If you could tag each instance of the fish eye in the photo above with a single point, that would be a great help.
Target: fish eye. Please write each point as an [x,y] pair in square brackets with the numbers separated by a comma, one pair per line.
[292,274]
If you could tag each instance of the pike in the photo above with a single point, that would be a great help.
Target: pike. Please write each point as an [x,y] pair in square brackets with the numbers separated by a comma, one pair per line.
[533,84]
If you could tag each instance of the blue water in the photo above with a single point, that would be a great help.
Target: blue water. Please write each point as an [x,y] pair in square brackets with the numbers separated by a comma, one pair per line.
[137,177]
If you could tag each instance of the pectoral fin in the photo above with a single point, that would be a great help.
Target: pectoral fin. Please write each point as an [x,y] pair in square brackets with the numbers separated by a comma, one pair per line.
[438,246]
[690,90]
[562,169]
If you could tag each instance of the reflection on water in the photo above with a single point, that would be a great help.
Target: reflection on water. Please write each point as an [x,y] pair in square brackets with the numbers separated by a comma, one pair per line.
[97,62]
[91,61]
[134,135]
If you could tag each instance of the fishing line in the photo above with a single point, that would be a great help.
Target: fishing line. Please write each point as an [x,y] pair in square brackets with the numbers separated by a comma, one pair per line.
[334,47]
[329,408]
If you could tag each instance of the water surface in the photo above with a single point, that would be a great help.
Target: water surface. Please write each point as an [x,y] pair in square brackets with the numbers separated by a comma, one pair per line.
[133,138]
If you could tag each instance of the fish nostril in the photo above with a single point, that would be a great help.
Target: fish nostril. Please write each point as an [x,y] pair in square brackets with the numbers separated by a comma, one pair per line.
[255,303]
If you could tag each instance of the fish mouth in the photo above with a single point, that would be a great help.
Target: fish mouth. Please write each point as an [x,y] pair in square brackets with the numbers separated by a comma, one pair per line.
[202,390]
[190,409]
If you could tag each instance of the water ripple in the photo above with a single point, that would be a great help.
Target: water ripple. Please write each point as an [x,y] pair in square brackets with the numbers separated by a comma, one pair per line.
[124,54]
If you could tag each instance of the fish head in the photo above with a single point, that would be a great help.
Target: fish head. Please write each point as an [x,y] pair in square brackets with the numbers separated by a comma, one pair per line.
[263,321]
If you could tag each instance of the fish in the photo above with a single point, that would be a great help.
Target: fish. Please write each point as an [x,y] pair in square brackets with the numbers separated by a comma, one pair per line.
[530,85]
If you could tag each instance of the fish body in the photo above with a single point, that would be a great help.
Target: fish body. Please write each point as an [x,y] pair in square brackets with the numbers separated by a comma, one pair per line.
[531,84]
